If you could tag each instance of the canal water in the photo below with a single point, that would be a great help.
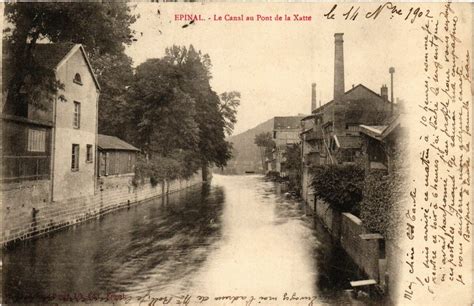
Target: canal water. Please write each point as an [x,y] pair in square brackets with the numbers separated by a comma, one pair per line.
[240,236]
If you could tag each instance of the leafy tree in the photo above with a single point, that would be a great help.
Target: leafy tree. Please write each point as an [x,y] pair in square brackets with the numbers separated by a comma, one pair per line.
[210,117]
[115,117]
[163,113]
[228,108]
[265,143]
[177,113]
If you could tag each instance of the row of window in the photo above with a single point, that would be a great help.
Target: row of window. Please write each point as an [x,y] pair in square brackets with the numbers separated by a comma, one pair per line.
[75,156]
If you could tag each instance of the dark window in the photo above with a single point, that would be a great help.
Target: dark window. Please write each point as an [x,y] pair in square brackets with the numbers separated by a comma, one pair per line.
[89,153]
[75,157]
[77,79]
[77,115]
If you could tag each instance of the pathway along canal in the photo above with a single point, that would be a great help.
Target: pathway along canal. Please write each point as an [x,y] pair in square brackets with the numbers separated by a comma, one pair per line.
[239,237]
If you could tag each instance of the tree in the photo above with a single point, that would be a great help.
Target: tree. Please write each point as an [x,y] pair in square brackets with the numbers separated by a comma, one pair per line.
[114,107]
[210,117]
[228,108]
[265,143]
[178,115]
[164,115]
[103,28]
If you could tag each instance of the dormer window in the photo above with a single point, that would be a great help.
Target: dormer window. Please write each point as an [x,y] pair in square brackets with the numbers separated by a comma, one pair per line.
[77,79]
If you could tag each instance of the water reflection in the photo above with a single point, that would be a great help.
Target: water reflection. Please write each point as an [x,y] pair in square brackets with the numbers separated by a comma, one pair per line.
[241,236]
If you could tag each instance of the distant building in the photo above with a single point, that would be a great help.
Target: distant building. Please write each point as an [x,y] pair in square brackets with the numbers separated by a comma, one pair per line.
[286,132]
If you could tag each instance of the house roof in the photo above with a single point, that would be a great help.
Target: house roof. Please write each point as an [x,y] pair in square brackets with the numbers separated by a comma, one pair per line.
[379,132]
[348,142]
[106,142]
[290,122]
[51,56]
[319,109]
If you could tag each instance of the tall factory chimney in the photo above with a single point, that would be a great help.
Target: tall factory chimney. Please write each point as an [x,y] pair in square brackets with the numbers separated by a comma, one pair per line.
[391,70]
[338,66]
[313,97]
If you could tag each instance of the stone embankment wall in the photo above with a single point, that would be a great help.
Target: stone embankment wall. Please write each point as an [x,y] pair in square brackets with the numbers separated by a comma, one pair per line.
[347,229]
[28,211]
[365,253]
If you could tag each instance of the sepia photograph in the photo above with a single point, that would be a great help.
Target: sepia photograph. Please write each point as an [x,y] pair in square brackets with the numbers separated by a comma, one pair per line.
[229,153]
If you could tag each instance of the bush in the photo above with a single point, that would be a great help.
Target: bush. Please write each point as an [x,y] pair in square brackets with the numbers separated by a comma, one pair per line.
[377,202]
[384,196]
[339,185]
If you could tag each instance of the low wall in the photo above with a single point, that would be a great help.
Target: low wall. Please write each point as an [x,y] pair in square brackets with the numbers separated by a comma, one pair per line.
[330,218]
[395,259]
[33,214]
[347,228]
[365,253]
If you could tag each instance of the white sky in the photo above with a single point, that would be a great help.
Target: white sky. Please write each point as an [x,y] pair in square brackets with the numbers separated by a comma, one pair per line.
[273,63]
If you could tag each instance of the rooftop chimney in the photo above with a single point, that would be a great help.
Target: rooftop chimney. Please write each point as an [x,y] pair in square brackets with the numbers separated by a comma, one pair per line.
[313,97]
[384,92]
[338,66]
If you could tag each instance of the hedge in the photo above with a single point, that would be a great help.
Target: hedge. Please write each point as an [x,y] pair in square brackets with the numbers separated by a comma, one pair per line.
[339,185]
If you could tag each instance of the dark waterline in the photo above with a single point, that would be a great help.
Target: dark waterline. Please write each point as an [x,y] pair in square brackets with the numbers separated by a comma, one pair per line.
[239,236]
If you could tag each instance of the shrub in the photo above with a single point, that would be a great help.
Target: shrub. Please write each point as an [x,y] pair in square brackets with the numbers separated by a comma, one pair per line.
[339,185]
[377,202]
[160,168]
[384,195]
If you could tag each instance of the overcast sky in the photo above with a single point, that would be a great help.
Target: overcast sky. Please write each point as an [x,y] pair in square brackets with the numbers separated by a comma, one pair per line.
[273,63]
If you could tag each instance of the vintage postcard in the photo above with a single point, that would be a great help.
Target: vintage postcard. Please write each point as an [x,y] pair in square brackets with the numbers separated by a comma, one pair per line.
[229,153]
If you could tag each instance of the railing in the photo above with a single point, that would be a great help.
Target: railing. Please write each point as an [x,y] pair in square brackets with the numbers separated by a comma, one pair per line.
[20,168]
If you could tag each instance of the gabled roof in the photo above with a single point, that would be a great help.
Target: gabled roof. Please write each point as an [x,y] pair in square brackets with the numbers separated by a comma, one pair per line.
[319,109]
[289,122]
[106,142]
[52,56]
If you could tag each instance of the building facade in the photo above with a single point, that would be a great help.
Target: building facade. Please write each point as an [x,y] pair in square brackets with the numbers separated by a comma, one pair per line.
[75,127]
[334,136]
[285,132]
[52,143]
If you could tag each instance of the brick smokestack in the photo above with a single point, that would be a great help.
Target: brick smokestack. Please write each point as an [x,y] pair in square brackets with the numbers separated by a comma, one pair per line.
[313,97]
[338,66]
